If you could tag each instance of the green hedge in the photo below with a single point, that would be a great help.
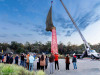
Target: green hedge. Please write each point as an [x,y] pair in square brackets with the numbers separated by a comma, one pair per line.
[11,69]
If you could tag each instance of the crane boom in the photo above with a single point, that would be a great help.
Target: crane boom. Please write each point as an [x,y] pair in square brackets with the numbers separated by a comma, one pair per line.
[87,46]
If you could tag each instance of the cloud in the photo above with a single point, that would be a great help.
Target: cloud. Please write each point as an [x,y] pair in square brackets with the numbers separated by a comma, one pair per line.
[36,28]
[69,32]
[15,35]
[40,29]
[82,21]
[4,28]
[15,23]
[2,0]
[12,22]
[18,24]
[3,35]
[96,5]
[26,35]
[63,22]
[15,9]
[44,32]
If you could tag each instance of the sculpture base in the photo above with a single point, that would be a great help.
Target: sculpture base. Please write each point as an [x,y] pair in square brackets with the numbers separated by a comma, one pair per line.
[54,46]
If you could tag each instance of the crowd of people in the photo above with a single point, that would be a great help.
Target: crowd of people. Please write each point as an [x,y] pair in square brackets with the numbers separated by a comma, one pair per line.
[23,60]
[6,59]
[27,61]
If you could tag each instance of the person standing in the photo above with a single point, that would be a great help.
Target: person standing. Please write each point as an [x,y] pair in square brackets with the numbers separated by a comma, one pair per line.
[38,63]
[74,60]
[56,61]
[67,61]
[16,59]
[22,60]
[31,61]
[5,56]
[2,58]
[11,59]
[27,61]
[46,59]
[51,60]
[34,55]
[42,62]
[8,57]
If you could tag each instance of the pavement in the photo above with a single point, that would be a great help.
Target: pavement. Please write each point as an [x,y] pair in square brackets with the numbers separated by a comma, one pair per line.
[84,67]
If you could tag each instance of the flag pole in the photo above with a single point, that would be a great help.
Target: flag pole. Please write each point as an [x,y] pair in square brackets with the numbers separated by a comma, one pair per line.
[51,3]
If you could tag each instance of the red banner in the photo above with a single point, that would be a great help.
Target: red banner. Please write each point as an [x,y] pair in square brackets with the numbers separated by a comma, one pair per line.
[54,46]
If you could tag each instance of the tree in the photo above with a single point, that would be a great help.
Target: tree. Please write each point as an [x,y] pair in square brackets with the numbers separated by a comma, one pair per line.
[48,46]
[60,48]
[4,46]
[28,46]
[14,45]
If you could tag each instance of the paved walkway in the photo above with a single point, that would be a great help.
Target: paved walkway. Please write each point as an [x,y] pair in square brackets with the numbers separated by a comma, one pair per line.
[85,67]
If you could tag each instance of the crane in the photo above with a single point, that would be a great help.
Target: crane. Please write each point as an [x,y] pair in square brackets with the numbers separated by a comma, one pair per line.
[88,50]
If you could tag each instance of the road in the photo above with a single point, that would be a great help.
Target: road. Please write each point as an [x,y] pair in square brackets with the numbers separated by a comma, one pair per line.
[85,67]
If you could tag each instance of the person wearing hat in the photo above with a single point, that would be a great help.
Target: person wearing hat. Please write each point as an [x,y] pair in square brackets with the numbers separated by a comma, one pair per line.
[56,61]
[74,60]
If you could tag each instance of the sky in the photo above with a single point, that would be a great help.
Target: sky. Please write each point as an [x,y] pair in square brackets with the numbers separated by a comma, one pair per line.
[24,20]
